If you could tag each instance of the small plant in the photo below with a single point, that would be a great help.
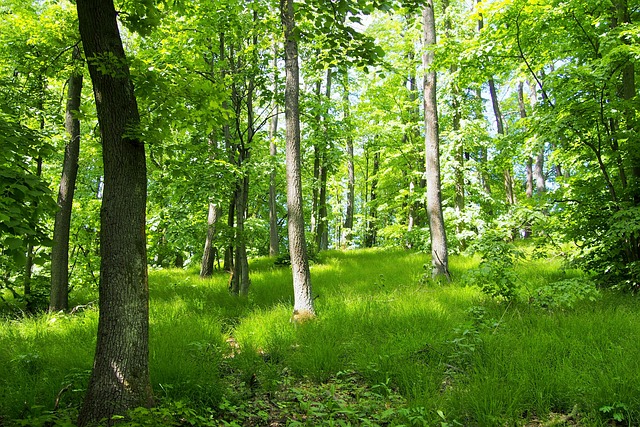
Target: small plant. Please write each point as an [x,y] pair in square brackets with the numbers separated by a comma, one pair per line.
[566,293]
[617,412]
[496,275]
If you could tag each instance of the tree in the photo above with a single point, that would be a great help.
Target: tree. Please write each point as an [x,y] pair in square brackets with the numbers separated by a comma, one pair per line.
[439,254]
[120,376]
[303,300]
[60,251]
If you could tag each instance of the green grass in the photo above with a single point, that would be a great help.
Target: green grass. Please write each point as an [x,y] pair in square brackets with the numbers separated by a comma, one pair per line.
[389,347]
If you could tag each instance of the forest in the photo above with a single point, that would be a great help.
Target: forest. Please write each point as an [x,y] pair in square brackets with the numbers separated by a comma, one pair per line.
[319,212]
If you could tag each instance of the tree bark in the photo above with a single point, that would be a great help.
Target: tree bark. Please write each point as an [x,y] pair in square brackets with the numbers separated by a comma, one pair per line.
[274,241]
[208,255]
[529,161]
[303,301]
[372,232]
[348,219]
[323,223]
[59,299]
[439,253]
[120,376]
[538,173]
[507,174]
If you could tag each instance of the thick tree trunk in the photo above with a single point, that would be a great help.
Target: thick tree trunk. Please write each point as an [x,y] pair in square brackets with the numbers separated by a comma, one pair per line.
[209,253]
[120,376]
[439,253]
[303,300]
[59,299]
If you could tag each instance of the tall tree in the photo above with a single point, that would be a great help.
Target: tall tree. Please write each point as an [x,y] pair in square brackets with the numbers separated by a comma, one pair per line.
[303,301]
[349,211]
[120,376]
[274,241]
[439,254]
[60,251]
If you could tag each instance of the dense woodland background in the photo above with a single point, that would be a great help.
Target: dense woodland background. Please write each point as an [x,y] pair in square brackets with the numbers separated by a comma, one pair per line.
[537,112]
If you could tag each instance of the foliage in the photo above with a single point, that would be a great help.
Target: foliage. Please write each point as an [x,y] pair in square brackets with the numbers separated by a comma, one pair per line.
[566,293]
[496,275]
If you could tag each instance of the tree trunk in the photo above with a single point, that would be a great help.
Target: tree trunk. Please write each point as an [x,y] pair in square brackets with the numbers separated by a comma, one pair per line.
[323,223]
[274,241]
[208,255]
[439,253]
[507,174]
[348,219]
[538,173]
[228,250]
[29,262]
[120,376]
[529,160]
[303,300]
[59,299]
[372,234]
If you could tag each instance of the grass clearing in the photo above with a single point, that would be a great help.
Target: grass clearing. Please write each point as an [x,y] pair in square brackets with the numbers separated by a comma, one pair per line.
[389,347]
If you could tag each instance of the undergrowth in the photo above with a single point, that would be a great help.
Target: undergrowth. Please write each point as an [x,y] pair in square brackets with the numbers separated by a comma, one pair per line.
[389,347]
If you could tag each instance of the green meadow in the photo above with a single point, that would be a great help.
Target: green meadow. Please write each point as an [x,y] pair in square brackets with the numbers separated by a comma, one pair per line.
[389,347]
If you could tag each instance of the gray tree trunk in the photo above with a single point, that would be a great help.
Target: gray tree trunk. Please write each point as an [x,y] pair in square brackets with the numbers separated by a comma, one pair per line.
[59,298]
[349,211]
[372,226]
[323,222]
[274,241]
[439,253]
[303,300]
[120,376]
[507,174]
[209,253]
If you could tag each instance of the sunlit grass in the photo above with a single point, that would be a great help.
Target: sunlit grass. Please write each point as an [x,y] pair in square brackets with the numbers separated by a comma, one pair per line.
[442,347]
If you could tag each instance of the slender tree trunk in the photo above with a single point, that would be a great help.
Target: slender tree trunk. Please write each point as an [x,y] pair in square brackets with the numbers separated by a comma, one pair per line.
[29,262]
[317,166]
[228,250]
[529,160]
[59,299]
[439,253]
[209,253]
[120,376]
[303,300]
[483,155]
[507,174]
[351,177]
[274,241]
[538,173]
[323,223]
[372,225]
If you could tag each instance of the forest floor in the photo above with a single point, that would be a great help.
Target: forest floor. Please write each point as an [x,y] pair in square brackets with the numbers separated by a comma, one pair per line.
[390,346]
